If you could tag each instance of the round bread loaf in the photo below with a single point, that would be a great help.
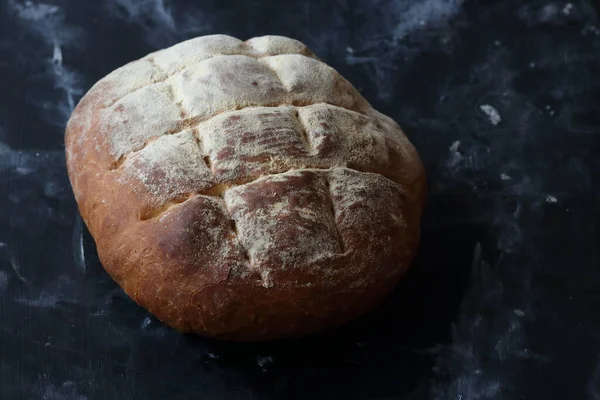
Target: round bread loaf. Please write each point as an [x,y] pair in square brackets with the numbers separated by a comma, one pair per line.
[244,190]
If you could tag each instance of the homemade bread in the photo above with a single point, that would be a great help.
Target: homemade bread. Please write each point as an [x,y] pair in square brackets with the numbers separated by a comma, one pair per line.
[244,190]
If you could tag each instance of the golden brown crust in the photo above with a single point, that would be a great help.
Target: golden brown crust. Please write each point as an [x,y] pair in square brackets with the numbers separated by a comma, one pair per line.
[244,190]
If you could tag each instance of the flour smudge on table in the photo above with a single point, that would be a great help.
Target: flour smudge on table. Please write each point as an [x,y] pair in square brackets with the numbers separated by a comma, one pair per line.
[47,22]
[39,200]
[163,24]
[409,26]
[44,173]
[505,167]
[68,390]
[3,280]
[12,264]
[593,385]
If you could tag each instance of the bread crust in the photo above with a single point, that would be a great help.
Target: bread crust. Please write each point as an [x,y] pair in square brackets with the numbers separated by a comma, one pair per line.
[244,190]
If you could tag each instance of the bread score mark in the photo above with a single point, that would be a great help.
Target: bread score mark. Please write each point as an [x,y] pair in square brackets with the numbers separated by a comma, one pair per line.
[196,122]
[165,77]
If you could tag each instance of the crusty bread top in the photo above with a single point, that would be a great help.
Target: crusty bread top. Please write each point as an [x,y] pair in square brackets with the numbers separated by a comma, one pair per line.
[274,142]
[240,109]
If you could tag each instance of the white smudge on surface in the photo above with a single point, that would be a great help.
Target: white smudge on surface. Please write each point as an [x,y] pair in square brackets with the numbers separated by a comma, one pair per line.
[519,313]
[454,146]
[61,290]
[66,80]
[162,25]
[43,300]
[57,57]
[77,243]
[154,328]
[146,322]
[67,390]
[264,362]
[403,28]
[31,11]
[455,156]
[469,372]
[591,29]
[567,8]
[470,382]
[41,181]
[491,113]
[48,24]
[3,280]
[551,199]
[12,261]
[593,386]
[418,15]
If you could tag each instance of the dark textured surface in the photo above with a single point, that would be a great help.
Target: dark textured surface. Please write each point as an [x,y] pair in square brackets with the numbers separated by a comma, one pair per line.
[504,299]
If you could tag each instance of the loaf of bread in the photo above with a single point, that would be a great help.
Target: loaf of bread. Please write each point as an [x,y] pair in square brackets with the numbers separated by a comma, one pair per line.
[244,190]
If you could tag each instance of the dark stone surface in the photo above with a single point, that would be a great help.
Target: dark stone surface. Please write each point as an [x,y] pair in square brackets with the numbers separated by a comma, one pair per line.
[504,299]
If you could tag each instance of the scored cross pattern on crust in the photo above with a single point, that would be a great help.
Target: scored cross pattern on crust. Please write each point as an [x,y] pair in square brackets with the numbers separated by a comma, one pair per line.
[166,76]
[230,184]
[245,118]
[210,191]
[195,122]
[186,122]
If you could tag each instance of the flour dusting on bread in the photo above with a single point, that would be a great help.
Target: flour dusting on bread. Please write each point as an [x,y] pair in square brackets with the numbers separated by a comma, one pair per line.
[244,190]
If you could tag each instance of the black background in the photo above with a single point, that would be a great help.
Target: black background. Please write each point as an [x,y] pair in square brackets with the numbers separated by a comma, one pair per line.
[503,301]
